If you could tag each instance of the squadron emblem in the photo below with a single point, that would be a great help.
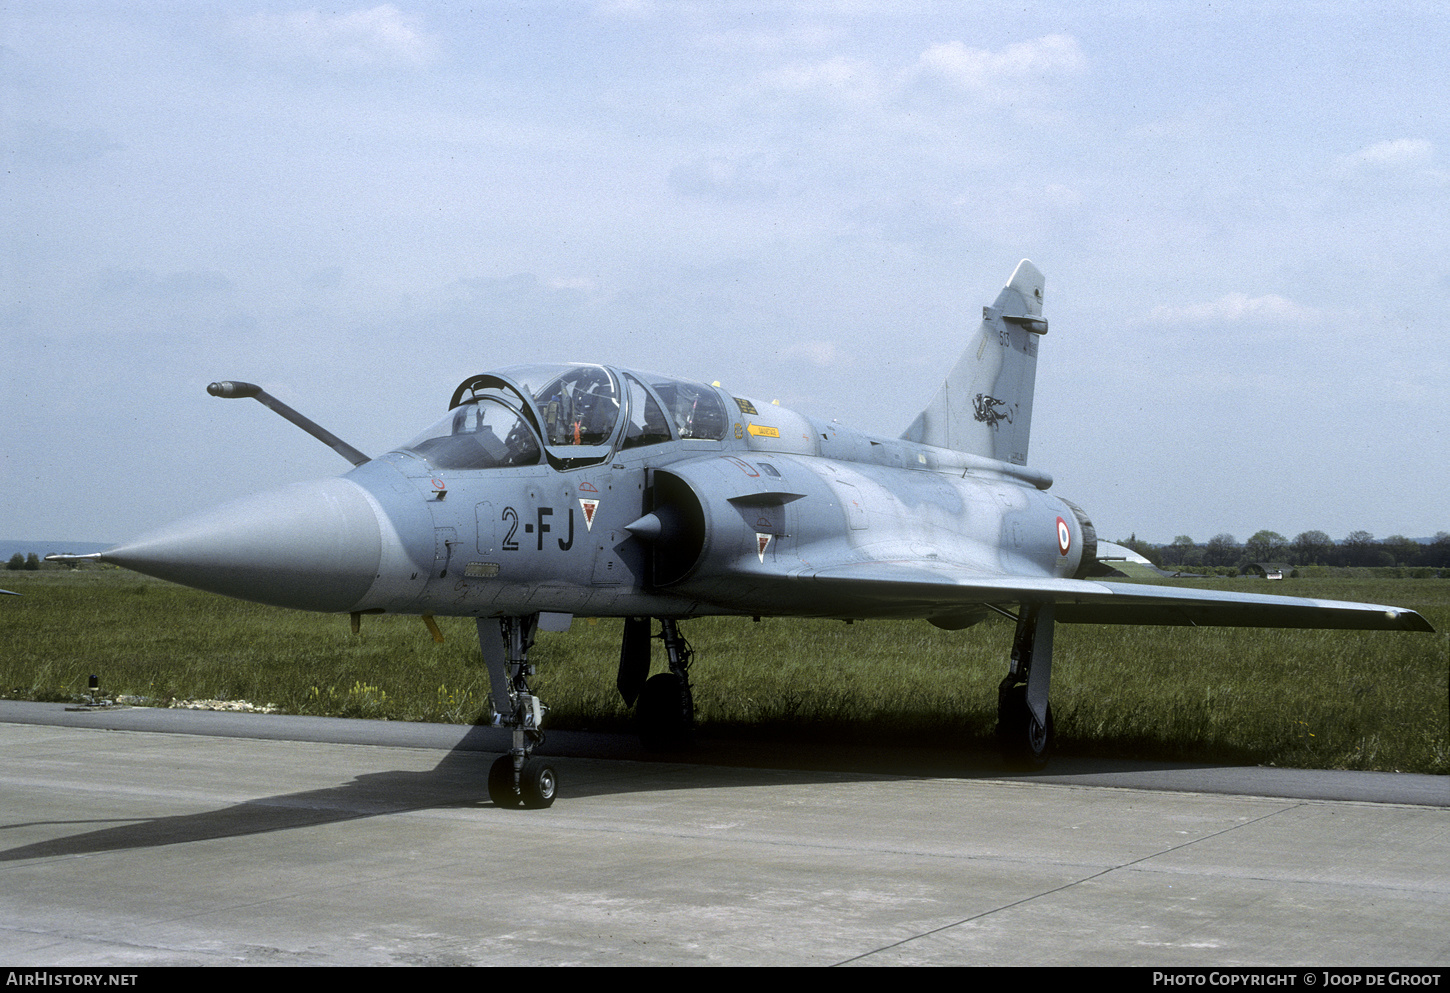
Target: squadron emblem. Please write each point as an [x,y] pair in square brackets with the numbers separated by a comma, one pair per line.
[984,408]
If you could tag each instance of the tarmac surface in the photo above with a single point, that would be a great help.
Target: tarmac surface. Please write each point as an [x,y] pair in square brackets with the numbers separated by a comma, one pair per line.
[142,837]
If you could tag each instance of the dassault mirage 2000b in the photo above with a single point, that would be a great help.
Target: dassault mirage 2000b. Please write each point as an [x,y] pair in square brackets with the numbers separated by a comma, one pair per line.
[554,490]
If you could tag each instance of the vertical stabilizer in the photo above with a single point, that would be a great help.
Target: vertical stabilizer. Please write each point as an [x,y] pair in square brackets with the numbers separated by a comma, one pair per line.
[985,405]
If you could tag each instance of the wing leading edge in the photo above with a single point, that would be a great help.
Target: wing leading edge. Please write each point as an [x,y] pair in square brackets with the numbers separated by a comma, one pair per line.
[1080,601]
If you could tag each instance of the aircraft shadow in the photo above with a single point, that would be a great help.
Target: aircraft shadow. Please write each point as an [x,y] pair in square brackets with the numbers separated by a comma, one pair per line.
[459,780]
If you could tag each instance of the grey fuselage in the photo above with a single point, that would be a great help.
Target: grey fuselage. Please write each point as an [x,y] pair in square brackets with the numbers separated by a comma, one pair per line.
[599,491]
[778,496]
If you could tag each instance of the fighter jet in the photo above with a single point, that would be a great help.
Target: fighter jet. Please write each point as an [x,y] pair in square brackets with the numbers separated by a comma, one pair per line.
[549,491]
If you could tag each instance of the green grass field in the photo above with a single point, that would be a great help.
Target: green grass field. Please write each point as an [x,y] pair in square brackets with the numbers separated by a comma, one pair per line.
[1308,699]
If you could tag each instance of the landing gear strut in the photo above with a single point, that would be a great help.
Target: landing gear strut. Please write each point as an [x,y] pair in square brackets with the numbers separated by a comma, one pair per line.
[517,779]
[666,705]
[1024,717]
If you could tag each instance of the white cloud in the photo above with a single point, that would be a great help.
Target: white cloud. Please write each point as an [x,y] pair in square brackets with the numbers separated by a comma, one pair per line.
[1015,72]
[1001,73]
[1237,307]
[381,36]
[1400,153]
[1408,163]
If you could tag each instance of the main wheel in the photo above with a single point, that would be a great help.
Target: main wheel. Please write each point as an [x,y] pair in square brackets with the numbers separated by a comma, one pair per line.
[501,789]
[537,784]
[1023,740]
[666,713]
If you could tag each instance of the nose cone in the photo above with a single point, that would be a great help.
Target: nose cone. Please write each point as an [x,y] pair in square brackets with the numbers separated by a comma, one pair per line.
[312,546]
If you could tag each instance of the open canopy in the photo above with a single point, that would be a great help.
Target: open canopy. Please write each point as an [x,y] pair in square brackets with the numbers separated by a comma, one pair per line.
[576,415]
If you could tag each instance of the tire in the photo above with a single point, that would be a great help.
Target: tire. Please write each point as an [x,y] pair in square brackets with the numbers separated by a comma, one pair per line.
[666,713]
[501,783]
[538,785]
[1024,743]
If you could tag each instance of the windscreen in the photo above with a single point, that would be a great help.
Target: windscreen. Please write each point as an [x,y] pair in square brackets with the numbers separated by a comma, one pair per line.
[484,433]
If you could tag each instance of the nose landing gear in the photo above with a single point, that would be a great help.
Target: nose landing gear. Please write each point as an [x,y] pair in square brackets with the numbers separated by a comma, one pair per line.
[518,779]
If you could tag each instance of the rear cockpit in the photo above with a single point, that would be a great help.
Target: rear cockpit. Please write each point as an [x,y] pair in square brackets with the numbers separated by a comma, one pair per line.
[695,409]
[571,415]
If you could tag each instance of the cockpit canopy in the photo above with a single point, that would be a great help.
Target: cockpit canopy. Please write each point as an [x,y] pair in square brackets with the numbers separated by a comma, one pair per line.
[486,433]
[579,405]
[570,414]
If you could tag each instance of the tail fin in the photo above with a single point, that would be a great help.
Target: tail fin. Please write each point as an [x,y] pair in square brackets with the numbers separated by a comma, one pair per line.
[985,405]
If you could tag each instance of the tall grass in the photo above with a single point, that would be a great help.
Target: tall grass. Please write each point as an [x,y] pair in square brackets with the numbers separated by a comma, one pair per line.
[1311,699]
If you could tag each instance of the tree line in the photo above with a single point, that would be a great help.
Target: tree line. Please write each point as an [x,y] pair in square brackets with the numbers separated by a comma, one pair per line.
[1359,548]
[18,561]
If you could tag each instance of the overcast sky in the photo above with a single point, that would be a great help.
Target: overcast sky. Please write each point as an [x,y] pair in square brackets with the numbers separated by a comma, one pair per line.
[1242,211]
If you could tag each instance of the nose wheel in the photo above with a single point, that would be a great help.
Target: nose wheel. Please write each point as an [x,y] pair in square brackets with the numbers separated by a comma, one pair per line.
[518,779]
[532,786]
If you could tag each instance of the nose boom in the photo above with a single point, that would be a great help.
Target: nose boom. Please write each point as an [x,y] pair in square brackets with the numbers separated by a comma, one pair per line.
[310,546]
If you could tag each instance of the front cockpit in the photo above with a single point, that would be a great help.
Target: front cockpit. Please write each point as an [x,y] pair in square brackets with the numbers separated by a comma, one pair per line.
[485,433]
[570,415]
[577,405]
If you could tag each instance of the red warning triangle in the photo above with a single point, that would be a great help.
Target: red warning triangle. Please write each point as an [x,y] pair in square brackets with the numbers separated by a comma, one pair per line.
[590,506]
[762,542]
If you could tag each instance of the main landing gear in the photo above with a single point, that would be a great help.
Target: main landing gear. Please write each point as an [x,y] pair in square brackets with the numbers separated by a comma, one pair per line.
[1024,717]
[664,702]
[517,779]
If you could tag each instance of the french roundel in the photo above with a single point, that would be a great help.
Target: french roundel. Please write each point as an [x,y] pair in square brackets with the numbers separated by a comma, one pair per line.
[1064,536]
